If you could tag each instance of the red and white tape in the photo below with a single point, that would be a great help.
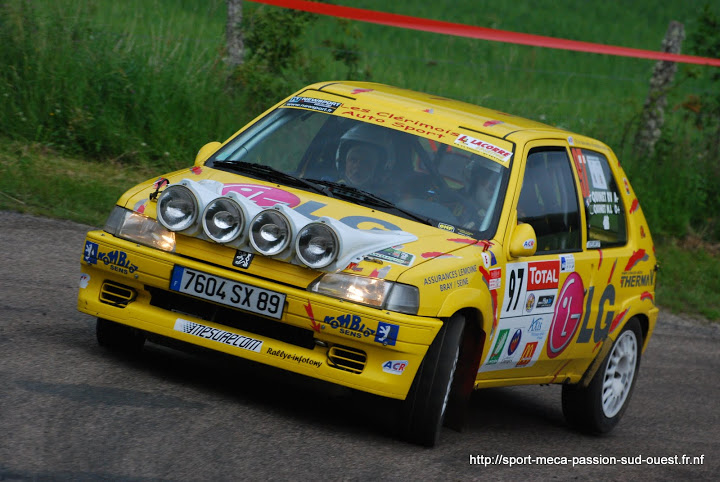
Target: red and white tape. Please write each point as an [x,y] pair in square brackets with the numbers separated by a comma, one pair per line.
[470,31]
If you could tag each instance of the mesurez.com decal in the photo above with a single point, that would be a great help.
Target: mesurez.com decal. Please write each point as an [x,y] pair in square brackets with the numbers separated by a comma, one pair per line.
[215,334]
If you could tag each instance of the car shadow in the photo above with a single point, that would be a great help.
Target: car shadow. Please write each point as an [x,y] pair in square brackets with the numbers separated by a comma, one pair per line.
[326,405]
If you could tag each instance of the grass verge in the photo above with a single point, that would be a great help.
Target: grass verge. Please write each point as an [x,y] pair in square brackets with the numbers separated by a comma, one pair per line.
[37,181]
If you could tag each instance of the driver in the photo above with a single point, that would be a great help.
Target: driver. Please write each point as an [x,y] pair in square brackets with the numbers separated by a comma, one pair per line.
[483,186]
[363,157]
[361,162]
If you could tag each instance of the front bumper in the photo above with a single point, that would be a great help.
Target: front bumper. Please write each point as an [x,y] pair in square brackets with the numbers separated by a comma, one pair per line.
[317,336]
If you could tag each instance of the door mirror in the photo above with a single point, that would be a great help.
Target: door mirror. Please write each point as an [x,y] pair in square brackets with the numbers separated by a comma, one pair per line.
[205,152]
[523,241]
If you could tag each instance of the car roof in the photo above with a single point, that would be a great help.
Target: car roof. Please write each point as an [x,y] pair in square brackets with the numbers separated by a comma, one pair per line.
[476,118]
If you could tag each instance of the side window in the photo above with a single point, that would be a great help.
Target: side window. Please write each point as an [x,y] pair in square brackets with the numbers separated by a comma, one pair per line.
[603,205]
[549,201]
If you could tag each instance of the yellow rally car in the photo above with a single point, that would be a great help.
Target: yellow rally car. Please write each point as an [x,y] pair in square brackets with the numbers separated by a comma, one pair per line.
[394,242]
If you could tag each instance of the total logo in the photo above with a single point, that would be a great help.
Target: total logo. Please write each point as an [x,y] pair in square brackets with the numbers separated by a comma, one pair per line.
[543,275]
[395,367]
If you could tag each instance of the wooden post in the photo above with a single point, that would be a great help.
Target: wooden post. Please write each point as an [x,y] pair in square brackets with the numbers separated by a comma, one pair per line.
[234,34]
[653,117]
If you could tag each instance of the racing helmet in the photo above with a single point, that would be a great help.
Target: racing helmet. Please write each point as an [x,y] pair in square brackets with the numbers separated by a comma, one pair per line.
[373,138]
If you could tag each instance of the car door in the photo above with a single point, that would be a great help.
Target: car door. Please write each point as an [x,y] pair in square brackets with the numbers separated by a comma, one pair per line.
[606,253]
[543,295]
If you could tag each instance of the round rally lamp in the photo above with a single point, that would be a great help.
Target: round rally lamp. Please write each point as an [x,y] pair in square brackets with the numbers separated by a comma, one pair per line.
[269,232]
[317,245]
[177,208]
[222,220]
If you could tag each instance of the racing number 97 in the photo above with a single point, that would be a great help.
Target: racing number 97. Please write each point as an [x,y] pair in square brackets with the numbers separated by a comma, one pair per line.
[514,283]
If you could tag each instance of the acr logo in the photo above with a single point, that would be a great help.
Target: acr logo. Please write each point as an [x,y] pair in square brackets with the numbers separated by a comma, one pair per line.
[395,367]
[529,244]
[543,275]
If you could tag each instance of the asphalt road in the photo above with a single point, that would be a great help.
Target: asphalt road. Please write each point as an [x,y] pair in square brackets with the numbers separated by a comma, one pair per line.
[70,410]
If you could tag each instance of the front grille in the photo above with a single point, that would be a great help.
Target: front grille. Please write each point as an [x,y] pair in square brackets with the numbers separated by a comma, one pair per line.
[116,294]
[241,320]
[346,358]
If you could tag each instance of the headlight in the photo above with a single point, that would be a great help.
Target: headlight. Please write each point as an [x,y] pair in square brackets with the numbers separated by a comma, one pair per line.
[317,245]
[132,226]
[360,289]
[269,232]
[222,220]
[177,208]
[373,292]
[403,299]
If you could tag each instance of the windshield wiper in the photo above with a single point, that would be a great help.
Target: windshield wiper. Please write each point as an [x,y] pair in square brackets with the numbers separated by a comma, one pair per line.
[369,199]
[267,173]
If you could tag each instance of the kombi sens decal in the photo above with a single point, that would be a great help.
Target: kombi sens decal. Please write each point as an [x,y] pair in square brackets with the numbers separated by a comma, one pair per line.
[117,260]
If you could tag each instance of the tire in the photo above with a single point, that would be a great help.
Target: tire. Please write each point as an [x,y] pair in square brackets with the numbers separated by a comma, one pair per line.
[598,407]
[424,409]
[116,336]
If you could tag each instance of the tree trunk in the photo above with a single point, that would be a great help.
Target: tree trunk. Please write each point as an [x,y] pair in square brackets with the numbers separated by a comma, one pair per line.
[234,34]
[653,115]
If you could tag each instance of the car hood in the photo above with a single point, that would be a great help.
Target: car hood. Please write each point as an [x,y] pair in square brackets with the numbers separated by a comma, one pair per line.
[408,243]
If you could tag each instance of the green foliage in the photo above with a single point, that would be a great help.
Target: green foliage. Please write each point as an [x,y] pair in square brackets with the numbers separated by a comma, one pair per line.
[674,198]
[689,266]
[92,78]
[705,39]
[36,180]
[275,63]
[87,90]
[684,183]
[345,50]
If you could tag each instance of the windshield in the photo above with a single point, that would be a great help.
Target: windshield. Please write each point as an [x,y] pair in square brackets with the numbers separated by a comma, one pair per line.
[419,177]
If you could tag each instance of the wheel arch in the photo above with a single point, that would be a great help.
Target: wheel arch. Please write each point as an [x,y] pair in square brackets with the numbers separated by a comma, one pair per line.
[476,305]
[644,327]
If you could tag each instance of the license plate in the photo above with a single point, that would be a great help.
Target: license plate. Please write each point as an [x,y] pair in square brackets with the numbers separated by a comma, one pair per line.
[227,292]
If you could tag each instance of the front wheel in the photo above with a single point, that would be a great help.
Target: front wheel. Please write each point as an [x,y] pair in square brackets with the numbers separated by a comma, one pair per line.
[423,411]
[598,407]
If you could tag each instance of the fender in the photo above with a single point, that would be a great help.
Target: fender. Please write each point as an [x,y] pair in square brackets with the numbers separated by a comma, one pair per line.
[629,310]
[648,317]
[595,365]
[476,299]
